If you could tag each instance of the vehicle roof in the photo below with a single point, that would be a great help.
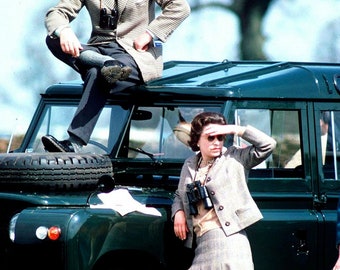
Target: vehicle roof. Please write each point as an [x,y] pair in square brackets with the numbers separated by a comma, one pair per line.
[236,79]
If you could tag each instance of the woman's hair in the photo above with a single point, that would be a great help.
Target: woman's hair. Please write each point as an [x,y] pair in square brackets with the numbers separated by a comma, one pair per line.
[199,122]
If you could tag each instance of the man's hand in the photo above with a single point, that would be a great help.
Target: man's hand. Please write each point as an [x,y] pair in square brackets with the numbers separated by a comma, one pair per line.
[142,42]
[69,42]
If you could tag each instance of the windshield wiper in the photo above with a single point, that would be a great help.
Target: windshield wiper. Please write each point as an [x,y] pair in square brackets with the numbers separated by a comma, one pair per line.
[140,150]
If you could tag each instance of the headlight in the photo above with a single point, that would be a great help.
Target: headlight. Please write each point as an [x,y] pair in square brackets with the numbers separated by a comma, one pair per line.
[12,224]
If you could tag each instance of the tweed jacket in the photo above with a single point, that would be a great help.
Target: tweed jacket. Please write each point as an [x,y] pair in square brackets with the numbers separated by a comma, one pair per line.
[227,184]
[134,18]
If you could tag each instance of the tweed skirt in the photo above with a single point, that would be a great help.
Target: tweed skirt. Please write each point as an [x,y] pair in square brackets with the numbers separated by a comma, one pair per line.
[215,251]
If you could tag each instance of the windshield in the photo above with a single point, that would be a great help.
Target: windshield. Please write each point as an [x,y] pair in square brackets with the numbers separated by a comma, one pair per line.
[55,119]
[164,134]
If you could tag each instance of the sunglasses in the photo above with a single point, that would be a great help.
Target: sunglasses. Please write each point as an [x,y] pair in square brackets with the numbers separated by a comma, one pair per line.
[218,137]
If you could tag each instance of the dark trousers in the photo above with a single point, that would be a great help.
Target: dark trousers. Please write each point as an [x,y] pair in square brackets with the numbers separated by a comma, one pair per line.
[96,90]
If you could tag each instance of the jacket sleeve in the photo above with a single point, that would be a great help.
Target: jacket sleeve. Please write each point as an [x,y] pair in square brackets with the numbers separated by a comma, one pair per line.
[261,147]
[177,202]
[62,14]
[174,12]
[176,205]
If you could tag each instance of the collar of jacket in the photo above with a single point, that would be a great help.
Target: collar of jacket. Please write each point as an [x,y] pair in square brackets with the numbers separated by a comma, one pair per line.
[193,161]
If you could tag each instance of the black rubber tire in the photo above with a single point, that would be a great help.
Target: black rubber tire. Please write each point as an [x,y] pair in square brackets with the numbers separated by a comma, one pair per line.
[52,171]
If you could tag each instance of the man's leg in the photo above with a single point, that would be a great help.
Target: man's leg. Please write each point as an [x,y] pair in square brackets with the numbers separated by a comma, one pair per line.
[94,96]
[96,91]
[90,106]
[111,69]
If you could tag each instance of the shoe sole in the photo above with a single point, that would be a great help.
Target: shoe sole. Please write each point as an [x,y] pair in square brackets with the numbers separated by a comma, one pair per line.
[111,73]
[51,145]
[126,71]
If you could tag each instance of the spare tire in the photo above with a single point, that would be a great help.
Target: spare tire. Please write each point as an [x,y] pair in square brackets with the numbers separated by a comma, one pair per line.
[52,171]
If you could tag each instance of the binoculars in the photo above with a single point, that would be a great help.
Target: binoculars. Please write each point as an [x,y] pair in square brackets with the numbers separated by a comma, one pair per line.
[197,192]
[108,20]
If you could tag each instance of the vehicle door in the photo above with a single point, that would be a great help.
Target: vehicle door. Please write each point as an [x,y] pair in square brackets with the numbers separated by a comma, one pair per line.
[328,157]
[288,235]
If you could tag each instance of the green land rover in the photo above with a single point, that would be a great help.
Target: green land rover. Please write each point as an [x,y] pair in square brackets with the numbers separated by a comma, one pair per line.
[109,206]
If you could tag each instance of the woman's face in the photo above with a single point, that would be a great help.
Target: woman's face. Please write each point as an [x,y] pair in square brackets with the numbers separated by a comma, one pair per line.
[210,146]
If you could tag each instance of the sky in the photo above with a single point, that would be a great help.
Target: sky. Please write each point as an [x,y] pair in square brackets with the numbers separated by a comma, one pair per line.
[292,31]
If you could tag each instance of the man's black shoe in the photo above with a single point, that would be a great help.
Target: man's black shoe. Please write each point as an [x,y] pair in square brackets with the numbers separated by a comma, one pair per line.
[51,144]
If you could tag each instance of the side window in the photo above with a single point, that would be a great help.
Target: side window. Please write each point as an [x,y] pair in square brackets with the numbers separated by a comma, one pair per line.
[164,134]
[284,127]
[330,143]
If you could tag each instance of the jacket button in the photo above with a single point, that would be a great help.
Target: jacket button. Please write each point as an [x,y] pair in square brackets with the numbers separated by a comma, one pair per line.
[208,179]
[212,192]
[227,223]
[220,207]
